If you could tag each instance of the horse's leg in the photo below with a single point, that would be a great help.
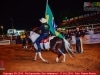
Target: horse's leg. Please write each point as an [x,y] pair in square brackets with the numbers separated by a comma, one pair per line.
[57,58]
[64,55]
[42,57]
[39,53]
[35,56]
[64,58]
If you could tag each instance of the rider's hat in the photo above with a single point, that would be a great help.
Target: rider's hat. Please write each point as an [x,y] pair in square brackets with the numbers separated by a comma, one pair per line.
[43,20]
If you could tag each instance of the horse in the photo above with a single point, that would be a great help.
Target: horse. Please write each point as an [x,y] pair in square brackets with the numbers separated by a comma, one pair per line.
[57,45]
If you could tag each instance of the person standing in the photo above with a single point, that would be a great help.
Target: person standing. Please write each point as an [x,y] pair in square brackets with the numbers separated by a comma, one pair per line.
[68,35]
[79,45]
[23,40]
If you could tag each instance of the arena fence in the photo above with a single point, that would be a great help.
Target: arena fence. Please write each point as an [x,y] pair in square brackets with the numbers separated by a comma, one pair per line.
[88,39]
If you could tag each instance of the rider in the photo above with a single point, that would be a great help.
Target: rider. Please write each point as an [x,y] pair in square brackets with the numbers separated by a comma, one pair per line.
[44,32]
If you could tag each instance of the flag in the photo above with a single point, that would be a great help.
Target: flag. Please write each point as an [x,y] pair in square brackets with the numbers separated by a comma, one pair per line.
[54,24]
[50,20]
[49,17]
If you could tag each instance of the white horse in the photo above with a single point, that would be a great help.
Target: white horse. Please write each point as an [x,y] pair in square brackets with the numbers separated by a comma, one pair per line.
[55,44]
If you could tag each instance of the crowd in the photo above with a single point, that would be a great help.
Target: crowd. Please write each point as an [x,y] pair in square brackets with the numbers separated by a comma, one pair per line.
[78,33]
[85,21]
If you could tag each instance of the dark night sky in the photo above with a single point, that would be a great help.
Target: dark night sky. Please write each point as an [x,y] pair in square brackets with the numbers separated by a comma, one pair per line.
[25,13]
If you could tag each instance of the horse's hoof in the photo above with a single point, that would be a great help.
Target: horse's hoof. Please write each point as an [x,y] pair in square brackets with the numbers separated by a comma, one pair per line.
[34,59]
[46,62]
[57,60]
[63,61]
[81,52]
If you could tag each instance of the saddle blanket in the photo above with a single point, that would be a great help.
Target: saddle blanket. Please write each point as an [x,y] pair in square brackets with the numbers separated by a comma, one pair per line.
[44,44]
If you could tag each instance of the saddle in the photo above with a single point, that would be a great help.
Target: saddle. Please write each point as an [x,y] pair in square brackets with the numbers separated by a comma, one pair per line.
[45,40]
[44,43]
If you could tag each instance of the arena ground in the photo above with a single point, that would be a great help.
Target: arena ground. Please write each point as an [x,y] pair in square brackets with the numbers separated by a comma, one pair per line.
[16,59]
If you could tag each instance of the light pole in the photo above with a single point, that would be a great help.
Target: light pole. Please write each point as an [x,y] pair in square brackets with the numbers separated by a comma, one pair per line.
[12,29]
[2,30]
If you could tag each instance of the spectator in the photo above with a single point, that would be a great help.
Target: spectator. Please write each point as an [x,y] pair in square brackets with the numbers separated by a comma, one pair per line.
[23,39]
[18,40]
[91,31]
[68,35]
[78,35]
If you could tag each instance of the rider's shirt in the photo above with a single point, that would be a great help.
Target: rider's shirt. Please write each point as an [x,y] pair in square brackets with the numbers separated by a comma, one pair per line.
[23,36]
[68,35]
[45,28]
[78,33]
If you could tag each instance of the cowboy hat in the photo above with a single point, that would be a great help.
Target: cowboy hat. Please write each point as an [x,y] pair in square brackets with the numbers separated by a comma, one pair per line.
[43,20]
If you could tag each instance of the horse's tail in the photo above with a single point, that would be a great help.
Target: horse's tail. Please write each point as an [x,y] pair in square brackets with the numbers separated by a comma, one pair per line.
[67,47]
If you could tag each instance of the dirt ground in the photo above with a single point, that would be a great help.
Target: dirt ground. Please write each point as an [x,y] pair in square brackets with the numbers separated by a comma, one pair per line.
[16,59]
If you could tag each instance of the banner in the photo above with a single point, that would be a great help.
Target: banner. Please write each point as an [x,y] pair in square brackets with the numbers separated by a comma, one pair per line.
[88,39]
[5,42]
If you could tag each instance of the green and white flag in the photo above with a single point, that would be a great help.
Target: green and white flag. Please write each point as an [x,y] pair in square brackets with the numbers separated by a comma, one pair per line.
[50,19]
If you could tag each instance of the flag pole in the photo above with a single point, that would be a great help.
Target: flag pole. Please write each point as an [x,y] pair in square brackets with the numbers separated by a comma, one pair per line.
[46,9]
[12,29]
[12,23]
[46,5]
[47,1]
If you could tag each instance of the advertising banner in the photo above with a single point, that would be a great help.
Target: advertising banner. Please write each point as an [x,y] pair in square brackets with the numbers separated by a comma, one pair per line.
[5,42]
[88,39]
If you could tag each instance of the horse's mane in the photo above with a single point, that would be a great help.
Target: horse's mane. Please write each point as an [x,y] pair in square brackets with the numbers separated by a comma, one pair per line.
[35,29]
